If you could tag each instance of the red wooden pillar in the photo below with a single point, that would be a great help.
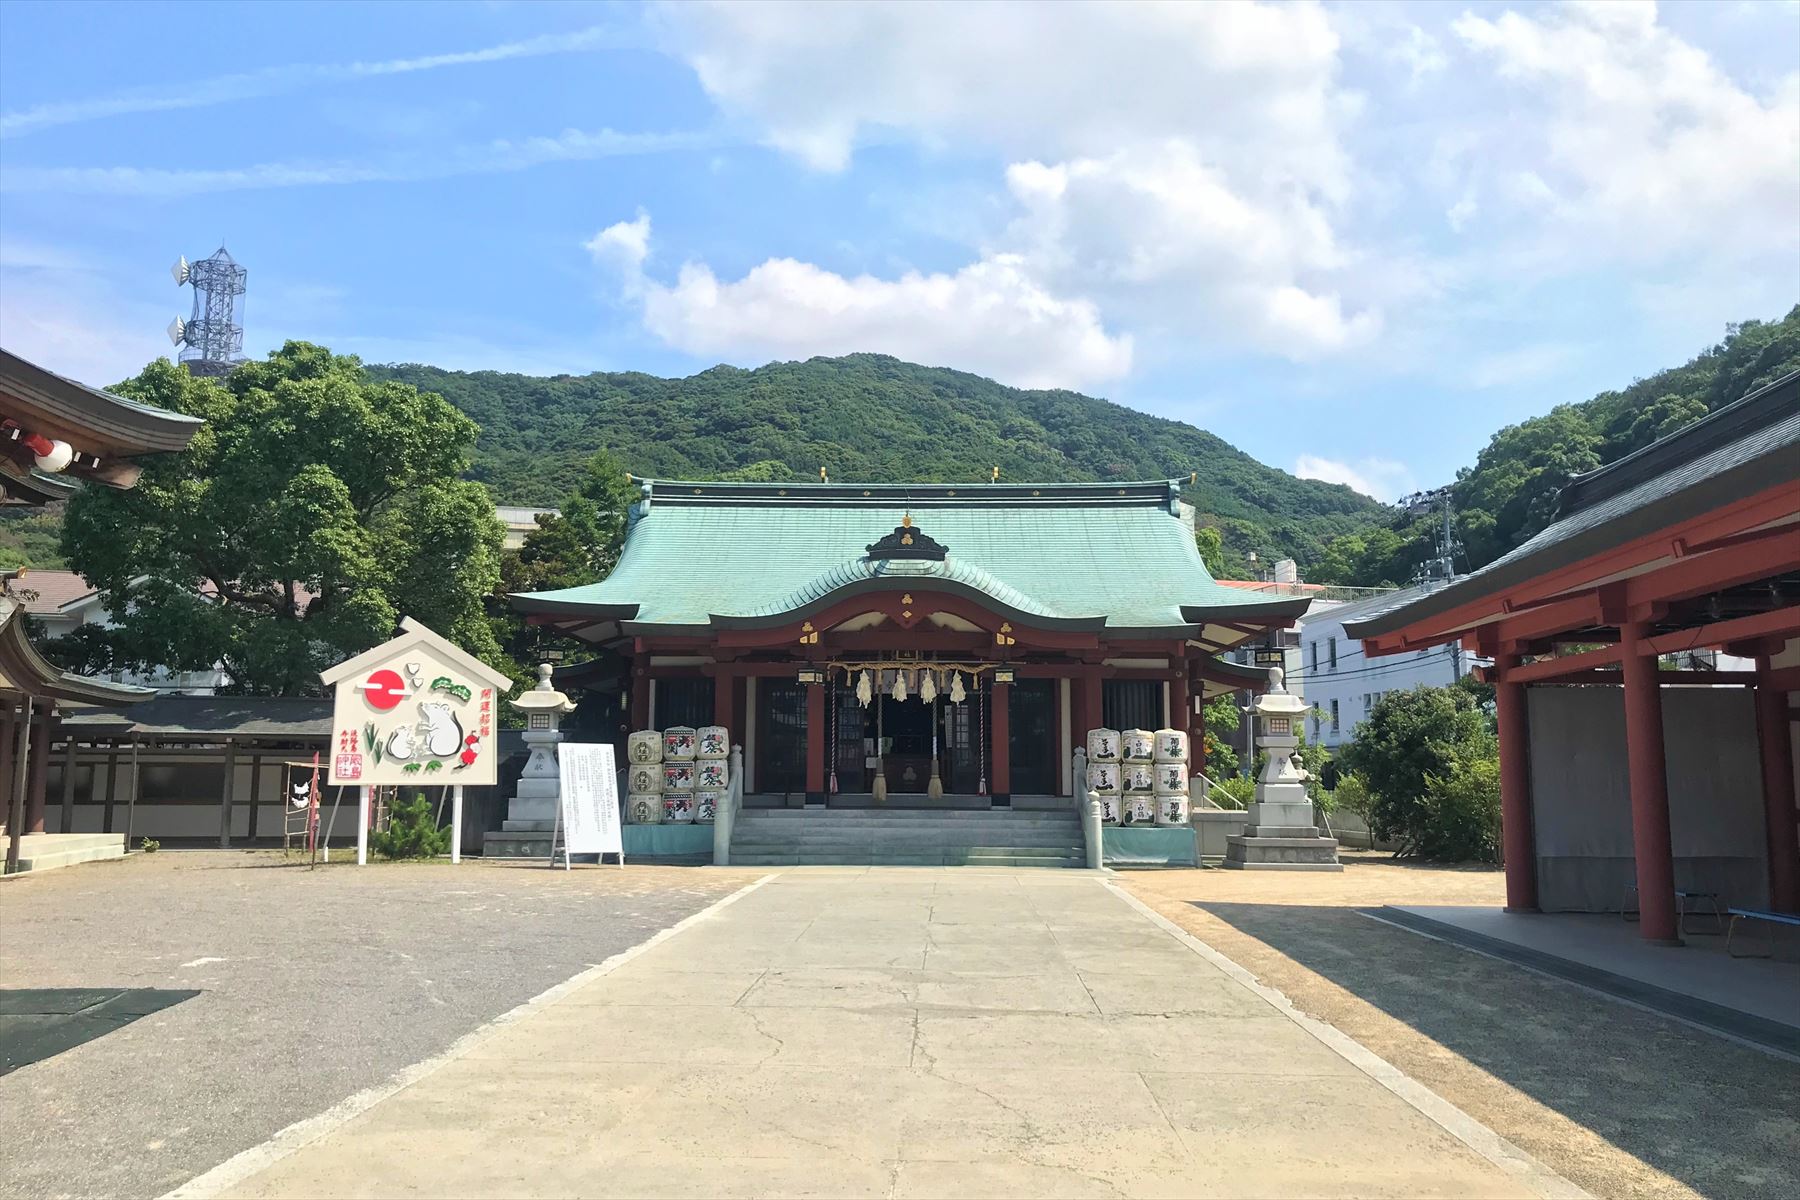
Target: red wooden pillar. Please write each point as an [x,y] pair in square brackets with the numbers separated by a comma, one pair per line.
[1000,734]
[1649,789]
[1779,818]
[1090,707]
[1518,839]
[725,703]
[640,695]
[817,739]
[1178,701]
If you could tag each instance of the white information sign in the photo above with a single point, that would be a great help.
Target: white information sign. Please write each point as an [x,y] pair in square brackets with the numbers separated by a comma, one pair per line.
[589,810]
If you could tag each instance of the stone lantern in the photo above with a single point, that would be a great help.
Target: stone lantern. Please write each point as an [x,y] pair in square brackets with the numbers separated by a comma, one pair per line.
[531,815]
[1282,834]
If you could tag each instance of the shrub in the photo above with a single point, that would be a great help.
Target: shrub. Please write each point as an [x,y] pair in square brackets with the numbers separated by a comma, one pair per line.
[1462,812]
[1237,788]
[1410,740]
[1352,795]
[411,831]
[149,845]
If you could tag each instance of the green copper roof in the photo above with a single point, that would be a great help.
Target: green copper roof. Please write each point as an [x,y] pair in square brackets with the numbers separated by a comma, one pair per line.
[1111,556]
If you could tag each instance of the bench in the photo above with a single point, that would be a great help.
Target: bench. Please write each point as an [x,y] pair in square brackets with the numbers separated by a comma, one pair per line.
[1768,916]
[1685,907]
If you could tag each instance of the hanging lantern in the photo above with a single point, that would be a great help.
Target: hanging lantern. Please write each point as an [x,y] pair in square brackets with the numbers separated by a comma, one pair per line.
[865,689]
[899,685]
[957,695]
[927,686]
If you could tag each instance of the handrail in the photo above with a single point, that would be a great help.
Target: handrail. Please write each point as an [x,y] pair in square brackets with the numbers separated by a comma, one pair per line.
[726,816]
[1211,783]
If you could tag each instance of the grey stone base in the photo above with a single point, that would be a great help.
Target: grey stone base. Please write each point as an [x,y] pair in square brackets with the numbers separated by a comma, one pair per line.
[518,843]
[512,825]
[1246,852]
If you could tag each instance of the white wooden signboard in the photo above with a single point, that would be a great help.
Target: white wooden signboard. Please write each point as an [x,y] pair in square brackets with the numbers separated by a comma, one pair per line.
[415,710]
[589,809]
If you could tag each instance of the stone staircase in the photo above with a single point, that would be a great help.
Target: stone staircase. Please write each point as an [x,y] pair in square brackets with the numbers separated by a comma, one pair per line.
[47,851]
[906,837]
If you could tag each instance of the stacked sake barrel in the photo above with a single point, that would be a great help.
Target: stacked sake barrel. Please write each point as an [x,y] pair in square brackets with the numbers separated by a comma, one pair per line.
[1170,771]
[1138,748]
[679,778]
[644,778]
[1105,773]
[712,771]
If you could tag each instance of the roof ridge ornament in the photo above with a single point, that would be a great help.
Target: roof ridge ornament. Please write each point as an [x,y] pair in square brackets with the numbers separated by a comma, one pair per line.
[908,541]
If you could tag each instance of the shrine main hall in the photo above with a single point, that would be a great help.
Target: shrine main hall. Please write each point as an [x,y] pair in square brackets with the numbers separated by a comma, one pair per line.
[858,638]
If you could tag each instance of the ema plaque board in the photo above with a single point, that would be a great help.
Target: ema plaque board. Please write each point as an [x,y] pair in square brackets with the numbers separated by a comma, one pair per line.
[414,710]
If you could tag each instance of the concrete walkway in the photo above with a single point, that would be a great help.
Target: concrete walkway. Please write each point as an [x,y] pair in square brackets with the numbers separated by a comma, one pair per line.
[849,1032]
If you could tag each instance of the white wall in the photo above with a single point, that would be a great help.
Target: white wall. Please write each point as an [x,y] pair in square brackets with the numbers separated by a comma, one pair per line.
[1581,795]
[1356,682]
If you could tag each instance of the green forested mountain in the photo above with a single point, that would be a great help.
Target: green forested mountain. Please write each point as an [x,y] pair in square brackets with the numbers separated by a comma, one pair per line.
[870,417]
[1510,492]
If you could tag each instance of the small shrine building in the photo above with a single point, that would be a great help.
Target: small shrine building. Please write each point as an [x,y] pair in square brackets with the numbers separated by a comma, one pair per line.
[1638,771]
[845,631]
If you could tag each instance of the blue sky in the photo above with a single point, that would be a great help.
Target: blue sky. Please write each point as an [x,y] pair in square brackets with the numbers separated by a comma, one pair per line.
[1353,240]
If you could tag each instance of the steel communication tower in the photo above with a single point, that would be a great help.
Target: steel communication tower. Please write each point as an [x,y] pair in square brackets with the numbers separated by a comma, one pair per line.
[211,340]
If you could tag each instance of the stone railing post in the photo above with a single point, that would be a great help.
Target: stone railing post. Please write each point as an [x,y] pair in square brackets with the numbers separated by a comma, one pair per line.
[726,816]
[1090,824]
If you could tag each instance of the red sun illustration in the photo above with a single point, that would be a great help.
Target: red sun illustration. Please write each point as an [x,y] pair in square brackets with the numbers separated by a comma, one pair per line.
[384,689]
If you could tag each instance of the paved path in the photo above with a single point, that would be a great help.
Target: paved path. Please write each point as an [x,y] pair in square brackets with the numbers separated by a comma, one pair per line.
[312,985]
[902,1033]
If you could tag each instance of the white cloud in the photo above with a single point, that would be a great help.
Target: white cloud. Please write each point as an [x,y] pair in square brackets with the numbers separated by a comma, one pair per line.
[1160,235]
[223,89]
[1627,142]
[572,145]
[1181,166]
[60,313]
[1253,83]
[1382,478]
[989,317]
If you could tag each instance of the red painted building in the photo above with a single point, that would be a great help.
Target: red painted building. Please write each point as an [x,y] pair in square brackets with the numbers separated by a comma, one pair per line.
[1623,765]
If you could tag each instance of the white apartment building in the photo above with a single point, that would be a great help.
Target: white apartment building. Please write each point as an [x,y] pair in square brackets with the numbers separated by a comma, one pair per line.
[1343,685]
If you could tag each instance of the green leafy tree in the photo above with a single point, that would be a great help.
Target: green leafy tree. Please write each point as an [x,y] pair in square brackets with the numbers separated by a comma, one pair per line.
[315,508]
[1211,545]
[578,544]
[1409,739]
[1221,719]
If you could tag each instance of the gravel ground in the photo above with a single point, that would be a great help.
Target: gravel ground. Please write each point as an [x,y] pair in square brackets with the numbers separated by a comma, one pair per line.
[313,985]
[1621,1101]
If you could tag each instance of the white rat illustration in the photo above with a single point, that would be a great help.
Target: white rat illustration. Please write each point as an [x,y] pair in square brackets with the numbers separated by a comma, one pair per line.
[443,732]
[400,744]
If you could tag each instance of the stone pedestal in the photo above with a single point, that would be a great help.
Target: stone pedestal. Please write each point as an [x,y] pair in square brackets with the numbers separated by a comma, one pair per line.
[531,814]
[1282,833]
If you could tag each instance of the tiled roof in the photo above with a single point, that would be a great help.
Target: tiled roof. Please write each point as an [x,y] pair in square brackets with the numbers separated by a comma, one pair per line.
[177,716]
[45,592]
[1112,555]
